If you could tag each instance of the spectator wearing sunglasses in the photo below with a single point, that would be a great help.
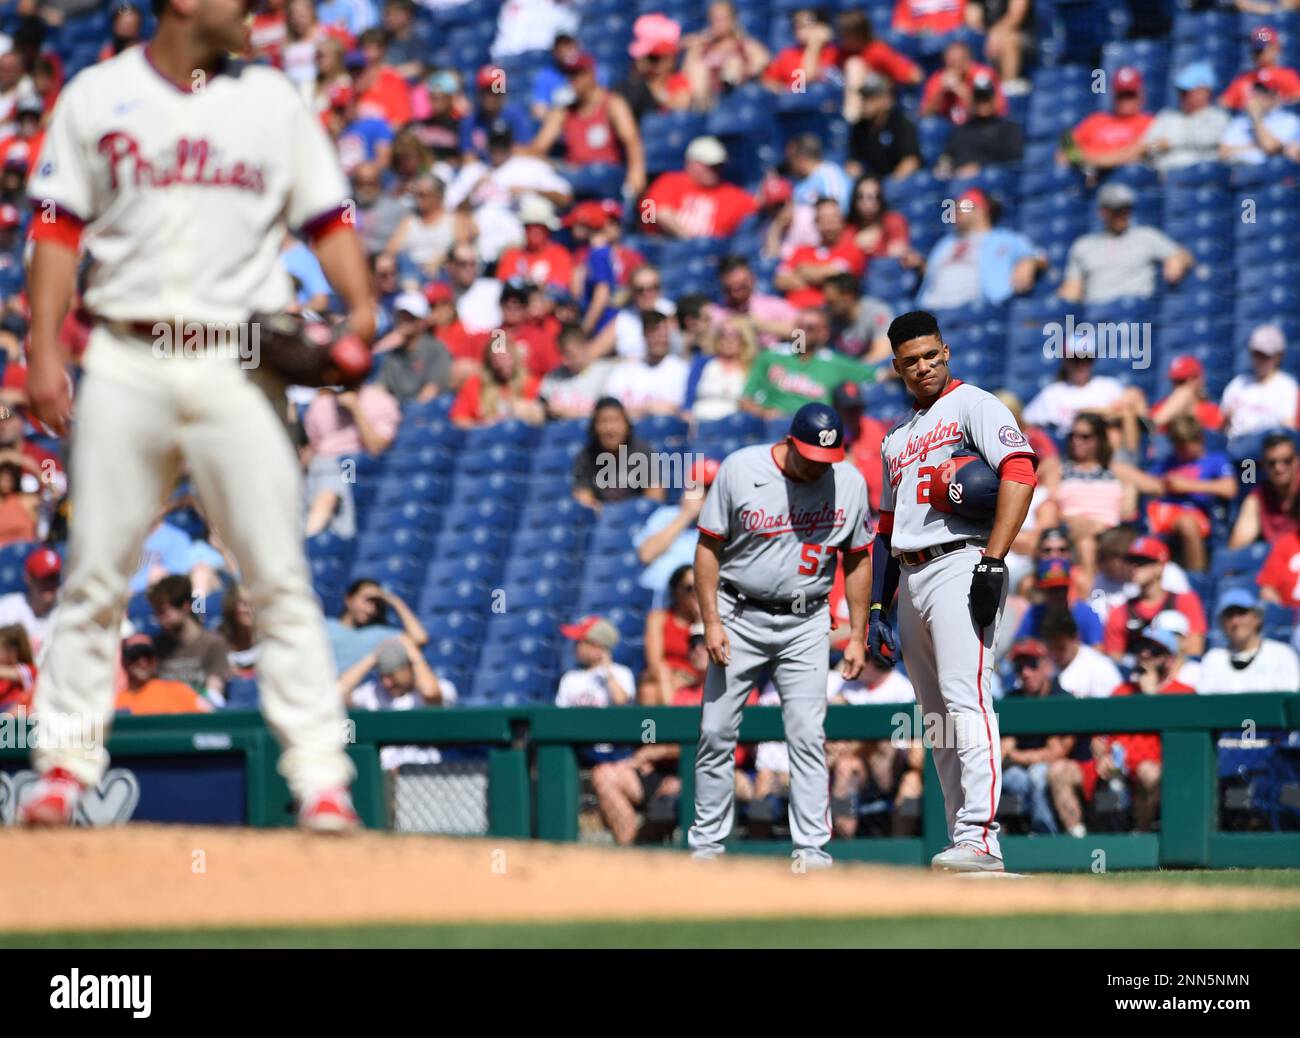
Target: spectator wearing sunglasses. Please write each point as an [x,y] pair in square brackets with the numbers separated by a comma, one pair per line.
[1027,759]
[1272,509]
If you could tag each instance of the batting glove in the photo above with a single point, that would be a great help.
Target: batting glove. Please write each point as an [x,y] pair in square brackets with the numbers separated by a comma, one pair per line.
[986,589]
[880,639]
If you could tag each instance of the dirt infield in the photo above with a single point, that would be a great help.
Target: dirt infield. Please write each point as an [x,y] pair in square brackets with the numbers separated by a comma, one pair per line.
[164,877]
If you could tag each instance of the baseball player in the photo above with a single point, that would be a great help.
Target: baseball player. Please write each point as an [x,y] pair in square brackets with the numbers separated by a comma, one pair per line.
[771,526]
[947,566]
[178,169]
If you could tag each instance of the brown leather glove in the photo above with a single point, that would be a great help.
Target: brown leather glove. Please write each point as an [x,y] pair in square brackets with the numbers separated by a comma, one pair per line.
[310,353]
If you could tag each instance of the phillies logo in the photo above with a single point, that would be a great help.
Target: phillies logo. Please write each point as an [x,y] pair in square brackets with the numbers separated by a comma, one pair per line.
[191,161]
[919,447]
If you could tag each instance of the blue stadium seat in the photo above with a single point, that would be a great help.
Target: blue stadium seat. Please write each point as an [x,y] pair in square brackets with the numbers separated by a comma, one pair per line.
[489,512]
[557,565]
[537,593]
[242,694]
[465,625]
[458,595]
[596,598]
[532,540]
[569,431]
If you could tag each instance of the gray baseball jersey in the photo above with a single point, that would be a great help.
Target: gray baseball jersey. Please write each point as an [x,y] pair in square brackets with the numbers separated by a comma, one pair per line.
[917,446]
[778,534]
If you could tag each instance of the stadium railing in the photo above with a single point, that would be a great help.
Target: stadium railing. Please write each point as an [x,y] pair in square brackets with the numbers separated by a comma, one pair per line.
[533,770]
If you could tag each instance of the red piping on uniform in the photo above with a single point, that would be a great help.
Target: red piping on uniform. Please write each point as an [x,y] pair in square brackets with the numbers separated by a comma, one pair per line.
[147,50]
[988,731]
[325,224]
[64,229]
[711,533]
[916,404]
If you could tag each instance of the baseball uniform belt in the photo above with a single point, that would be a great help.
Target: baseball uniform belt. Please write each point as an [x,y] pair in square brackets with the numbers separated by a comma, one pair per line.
[916,558]
[148,329]
[769,606]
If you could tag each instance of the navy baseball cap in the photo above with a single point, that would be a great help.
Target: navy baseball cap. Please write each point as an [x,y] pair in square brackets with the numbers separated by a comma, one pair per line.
[817,432]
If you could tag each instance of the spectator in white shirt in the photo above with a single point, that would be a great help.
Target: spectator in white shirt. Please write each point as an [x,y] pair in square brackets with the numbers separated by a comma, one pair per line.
[405,680]
[597,680]
[1268,397]
[1263,129]
[1078,389]
[1251,662]
[624,336]
[1082,671]
[657,384]
[34,608]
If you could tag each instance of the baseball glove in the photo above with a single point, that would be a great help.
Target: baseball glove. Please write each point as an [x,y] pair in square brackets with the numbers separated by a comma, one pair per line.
[310,353]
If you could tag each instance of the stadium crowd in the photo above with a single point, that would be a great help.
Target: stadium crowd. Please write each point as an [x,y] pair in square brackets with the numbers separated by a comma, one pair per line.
[603,238]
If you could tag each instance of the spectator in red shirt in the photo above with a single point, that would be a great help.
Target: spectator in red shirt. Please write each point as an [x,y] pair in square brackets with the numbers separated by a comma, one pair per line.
[877,230]
[466,347]
[1279,578]
[17,670]
[1124,625]
[948,90]
[1104,140]
[596,128]
[267,34]
[380,89]
[1272,509]
[540,261]
[501,391]
[861,53]
[864,435]
[1267,48]
[696,202]
[929,17]
[532,338]
[801,276]
[1132,758]
[811,57]
[1187,397]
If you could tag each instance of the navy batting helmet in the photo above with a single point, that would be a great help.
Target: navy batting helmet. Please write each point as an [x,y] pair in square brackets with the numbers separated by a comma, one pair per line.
[817,432]
[965,486]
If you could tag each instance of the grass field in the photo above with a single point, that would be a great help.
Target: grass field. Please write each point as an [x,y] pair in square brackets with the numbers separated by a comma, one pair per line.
[1200,930]
[1271,929]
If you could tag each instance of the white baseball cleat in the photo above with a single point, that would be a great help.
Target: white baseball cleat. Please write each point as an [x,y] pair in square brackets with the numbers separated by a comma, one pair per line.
[52,800]
[329,811]
[966,858]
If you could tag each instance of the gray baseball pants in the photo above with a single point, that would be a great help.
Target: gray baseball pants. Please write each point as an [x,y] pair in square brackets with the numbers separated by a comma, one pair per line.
[950,663]
[798,648]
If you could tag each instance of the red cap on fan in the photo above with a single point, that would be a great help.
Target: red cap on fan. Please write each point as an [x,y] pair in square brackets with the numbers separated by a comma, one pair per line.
[1183,367]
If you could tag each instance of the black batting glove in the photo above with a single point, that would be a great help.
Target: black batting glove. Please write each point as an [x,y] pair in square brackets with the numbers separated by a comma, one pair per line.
[880,639]
[986,587]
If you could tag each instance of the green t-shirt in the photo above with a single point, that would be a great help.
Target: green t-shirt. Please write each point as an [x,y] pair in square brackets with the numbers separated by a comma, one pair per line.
[787,381]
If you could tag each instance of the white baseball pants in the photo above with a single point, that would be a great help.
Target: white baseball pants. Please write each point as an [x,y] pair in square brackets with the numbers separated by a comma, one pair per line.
[139,419]
[950,663]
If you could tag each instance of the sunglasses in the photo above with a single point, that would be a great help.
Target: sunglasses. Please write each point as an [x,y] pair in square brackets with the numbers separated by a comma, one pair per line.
[1026,663]
[1055,551]
[646,288]
[1139,560]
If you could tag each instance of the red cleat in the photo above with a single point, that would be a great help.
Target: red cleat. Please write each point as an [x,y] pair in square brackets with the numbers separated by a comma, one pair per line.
[329,811]
[52,800]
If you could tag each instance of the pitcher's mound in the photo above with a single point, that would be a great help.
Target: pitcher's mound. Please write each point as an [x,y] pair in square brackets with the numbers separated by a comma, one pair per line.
[162,877]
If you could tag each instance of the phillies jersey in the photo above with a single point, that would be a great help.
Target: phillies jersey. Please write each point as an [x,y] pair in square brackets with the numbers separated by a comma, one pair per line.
[778,534]
[914,450]
[185,195]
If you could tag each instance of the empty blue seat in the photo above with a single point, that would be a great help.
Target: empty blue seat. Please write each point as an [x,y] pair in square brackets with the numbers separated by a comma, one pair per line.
[478,540]
[537,593]
[558,565]
[462,594]
[533,540]
[488,512]
[625,592]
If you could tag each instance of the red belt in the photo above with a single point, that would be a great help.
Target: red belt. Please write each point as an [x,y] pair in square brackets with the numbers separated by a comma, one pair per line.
[916,558]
